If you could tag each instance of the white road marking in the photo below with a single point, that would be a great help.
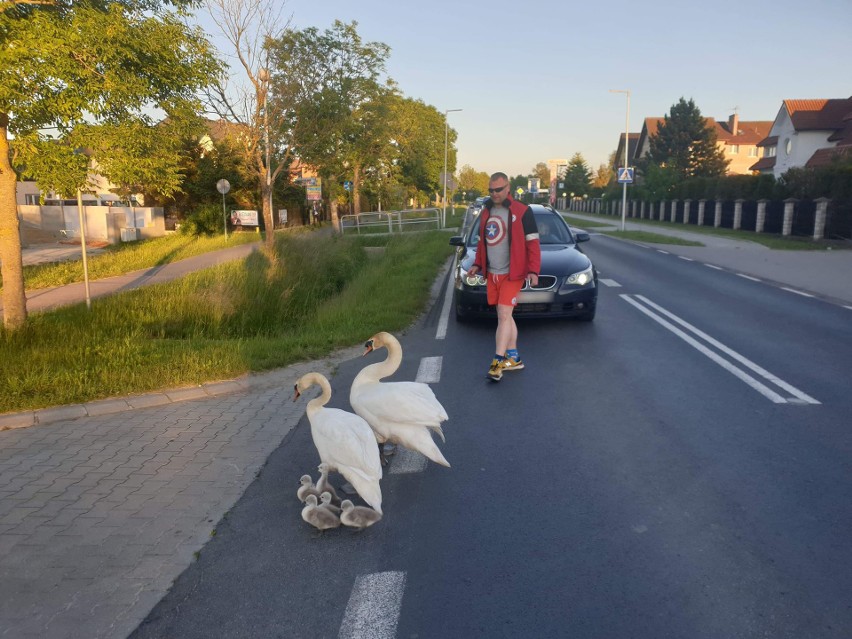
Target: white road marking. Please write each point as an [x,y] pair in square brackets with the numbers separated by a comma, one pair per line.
[798,396]
[663,252]
[849,307]
[610,283]
[430,370]
[374,606]
[407,462]
[718,268]
[792,290]
[749,277]
[686,259]
[445,311]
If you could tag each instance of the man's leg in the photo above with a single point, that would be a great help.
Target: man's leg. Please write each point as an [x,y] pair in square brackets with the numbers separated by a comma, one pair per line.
[507,330]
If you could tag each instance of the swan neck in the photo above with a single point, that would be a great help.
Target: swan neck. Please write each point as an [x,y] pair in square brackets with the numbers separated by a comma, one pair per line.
[318,402]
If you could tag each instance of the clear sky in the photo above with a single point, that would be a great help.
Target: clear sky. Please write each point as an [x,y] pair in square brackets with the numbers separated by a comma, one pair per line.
[533,78]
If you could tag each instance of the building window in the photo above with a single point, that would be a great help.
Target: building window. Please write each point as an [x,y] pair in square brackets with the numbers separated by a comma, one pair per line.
[752,151]
[735,149]
[31,198]
[769,152]
[788,146]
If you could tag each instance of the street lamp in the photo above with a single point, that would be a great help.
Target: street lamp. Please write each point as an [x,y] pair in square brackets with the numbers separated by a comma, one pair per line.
[626,144]
[263,76]
[446,151]
[559,166]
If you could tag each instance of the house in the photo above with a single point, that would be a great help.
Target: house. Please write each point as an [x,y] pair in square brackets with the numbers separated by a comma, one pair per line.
[807,133]
[633,139]
[738,139]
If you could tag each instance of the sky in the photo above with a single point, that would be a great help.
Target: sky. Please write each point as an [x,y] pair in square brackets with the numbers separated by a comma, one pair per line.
[533,78]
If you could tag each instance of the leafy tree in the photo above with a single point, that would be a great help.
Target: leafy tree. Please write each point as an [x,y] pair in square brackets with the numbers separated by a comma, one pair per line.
[603,176]
[81,72]
[686,144]
[541,172]
[472,182]
[577,176]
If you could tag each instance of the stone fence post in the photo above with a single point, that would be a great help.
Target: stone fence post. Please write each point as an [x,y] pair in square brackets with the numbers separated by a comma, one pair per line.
[642,210]
[701,204]
[674,210]
[717,214]
[761,216]
[789,207]
[686,205]
[821,214]
[738,214]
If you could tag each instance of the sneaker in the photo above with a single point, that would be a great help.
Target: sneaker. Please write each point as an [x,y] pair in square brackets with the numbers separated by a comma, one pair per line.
[495,372]
[512,364]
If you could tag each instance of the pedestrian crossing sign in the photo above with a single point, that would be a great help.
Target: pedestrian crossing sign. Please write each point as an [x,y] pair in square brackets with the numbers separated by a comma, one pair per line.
[625,175]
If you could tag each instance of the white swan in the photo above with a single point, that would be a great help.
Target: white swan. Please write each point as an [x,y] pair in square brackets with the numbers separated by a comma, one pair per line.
[358,516]
[319,518]
[398,412]
[344,441]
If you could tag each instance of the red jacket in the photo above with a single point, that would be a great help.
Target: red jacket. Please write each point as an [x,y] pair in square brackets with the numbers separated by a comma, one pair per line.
[524,250]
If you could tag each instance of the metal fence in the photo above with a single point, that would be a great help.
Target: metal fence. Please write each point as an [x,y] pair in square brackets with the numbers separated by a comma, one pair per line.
[391,221]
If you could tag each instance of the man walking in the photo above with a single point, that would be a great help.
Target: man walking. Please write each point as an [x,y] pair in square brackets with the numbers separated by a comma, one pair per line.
[508,254]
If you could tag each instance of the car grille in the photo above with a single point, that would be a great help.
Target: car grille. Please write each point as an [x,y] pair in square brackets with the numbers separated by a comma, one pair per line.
[545,282]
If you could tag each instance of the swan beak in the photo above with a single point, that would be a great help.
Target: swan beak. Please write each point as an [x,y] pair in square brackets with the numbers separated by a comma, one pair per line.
[369,346]
[296,393]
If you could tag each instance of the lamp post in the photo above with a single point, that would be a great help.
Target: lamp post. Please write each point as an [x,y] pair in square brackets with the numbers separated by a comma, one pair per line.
[626,144]
[223,186]
[559,186]
[446,151]
[263,76]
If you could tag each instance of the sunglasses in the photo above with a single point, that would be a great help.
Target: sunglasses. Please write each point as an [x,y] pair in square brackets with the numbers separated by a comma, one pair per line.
[498,189]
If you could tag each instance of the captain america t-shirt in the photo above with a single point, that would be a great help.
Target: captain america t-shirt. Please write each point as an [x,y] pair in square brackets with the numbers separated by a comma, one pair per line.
[497,239]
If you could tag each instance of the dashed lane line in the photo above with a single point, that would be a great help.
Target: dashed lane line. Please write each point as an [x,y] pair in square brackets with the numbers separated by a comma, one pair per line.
[748,277]
[429,371]
[713,266]
[374,606]
[792,290]
[445,310]
[610,283]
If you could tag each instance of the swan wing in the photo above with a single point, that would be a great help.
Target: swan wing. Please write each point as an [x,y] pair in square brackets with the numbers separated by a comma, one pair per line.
[402,402]
[345,439]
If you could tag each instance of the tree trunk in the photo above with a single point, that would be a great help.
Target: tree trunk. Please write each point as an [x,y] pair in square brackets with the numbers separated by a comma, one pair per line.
[356,188]
[14,296]
[269,220]
[335,216]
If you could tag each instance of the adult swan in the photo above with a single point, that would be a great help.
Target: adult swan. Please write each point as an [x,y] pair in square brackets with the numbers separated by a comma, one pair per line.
[402,413]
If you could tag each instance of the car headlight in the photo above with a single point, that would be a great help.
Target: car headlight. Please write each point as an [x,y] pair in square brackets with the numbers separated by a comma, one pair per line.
[582,278]
[472,280]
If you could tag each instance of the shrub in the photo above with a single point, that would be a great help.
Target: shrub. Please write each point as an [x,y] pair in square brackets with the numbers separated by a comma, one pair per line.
[203,219]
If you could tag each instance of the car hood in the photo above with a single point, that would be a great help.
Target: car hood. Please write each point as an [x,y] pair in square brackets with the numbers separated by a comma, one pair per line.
[556,259]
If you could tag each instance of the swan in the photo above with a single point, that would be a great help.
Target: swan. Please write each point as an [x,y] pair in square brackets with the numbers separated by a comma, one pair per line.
[324,486]
[398,412]
[307,488]
[344,441]
[326,503]
[319,518]
[358,516]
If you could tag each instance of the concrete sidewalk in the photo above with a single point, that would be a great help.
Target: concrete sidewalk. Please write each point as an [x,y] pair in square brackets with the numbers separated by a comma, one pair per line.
[826,274]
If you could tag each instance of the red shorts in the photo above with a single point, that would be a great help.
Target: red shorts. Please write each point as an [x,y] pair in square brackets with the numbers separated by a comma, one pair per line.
[502,290]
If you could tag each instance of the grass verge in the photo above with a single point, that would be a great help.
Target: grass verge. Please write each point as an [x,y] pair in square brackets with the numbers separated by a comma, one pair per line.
[123,258]
[316,293]
[651,238]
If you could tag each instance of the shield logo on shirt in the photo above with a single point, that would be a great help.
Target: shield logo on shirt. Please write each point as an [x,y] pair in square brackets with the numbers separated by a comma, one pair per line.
[495,231]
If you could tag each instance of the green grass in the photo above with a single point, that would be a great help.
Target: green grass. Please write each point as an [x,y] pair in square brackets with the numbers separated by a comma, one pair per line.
[130,256]
[778,242]
[585,224]
[653,238]
[316,293]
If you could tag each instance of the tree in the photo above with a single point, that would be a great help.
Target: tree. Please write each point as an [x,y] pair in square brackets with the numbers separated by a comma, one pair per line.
[541,172]
[577,176]
[685,143]
[603,176]
[472,182]
[100,66]
[335,107]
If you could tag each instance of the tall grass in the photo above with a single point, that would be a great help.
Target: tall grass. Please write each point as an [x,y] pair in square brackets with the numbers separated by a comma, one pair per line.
[312,295]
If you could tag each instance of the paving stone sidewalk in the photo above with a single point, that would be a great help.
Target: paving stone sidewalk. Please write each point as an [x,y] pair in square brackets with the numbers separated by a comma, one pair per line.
[99,514]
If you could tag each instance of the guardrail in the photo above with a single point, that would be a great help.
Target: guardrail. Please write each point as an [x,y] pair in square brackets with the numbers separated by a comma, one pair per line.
[391,221]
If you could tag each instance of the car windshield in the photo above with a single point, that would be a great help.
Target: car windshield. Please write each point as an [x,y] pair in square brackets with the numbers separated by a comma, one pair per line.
[552,229]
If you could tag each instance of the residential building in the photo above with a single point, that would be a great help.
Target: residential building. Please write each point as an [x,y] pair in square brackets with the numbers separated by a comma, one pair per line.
[807,133]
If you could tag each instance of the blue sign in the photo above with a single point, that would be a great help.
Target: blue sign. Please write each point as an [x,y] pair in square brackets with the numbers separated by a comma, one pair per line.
[347,185]
[625,175]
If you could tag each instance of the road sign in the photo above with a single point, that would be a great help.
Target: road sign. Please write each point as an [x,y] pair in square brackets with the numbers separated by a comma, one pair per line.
[314,193]
[519,191]
[625,175]
[223,186]
[347,185]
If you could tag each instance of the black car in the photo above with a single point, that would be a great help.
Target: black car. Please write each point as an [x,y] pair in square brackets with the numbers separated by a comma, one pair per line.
[567,285]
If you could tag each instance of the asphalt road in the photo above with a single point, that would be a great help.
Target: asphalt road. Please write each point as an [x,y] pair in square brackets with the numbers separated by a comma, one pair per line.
[678,468]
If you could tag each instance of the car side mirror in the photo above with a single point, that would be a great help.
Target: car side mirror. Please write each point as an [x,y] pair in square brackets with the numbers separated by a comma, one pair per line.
[582,236]
[457,240]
